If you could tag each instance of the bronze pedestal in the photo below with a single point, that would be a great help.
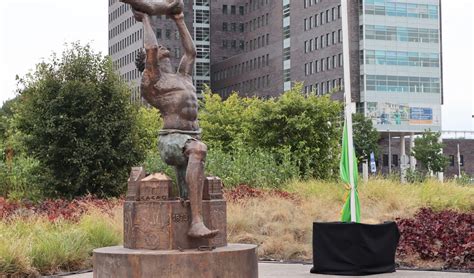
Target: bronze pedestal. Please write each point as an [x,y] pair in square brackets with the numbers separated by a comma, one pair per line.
[156,243]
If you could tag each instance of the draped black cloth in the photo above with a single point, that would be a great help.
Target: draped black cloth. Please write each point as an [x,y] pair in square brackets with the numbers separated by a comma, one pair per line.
[353,248]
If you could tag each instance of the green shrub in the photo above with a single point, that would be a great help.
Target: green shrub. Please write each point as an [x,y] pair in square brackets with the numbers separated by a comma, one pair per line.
[77,121]
[19,179]
[307,126]
[253,167]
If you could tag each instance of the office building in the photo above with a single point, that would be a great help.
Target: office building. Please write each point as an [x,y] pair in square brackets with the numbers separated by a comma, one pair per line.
[259,47]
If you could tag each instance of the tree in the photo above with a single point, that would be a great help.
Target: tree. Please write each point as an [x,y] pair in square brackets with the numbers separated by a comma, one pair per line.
[78,122]
[428,151]
[309,126]
[366,137]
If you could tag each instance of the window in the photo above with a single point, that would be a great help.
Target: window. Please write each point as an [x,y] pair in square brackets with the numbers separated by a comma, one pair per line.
[233,27]
[224,9]
[224,26]
[232,9]
[395,160]
[224,44]
[241,10]
[168,33]
[385,160]
[451,160]
[158,33]
[461,160]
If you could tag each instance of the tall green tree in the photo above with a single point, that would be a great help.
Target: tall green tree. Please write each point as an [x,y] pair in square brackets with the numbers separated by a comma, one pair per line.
[78,122]
[366,137]
[428,151]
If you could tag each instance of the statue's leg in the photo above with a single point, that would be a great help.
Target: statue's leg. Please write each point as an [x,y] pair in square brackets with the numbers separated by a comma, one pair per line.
[181,180]
[196,152]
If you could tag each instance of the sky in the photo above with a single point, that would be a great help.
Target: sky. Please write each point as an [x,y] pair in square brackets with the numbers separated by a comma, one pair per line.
[30,30]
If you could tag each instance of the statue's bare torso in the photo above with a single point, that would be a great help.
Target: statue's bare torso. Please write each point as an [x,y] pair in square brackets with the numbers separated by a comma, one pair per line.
[175,97]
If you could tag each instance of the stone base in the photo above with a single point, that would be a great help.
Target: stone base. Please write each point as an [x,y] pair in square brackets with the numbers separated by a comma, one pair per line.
[232,261]
[164,225]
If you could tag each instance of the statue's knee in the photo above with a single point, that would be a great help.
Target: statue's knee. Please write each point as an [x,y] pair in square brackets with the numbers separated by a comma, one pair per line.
[196,149]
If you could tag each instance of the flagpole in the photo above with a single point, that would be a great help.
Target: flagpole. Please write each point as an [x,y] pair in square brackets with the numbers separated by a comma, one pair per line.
[348,101]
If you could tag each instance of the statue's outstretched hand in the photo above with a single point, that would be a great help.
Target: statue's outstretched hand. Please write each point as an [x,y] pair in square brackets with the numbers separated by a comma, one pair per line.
[175,7]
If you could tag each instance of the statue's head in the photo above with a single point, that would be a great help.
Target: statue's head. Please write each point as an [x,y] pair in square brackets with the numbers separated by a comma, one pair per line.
[163,52]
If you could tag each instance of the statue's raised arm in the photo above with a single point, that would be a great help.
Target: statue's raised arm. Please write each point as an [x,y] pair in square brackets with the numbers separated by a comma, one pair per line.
[187,62]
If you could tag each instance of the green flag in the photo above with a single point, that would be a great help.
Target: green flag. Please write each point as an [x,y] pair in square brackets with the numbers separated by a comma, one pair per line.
[344,173]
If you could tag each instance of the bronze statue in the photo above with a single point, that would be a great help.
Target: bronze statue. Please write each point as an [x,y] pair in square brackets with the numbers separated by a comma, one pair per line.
[174,95]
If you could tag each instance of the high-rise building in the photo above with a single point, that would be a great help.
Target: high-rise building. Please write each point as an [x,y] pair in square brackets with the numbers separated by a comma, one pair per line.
[259,47]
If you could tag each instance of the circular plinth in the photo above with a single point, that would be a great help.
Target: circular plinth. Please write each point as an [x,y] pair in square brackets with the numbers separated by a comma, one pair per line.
[232,261]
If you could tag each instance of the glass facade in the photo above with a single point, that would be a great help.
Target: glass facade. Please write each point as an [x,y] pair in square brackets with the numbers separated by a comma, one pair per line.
[201,26]
[400,60]
[407,84]
[398,8]
[401,34]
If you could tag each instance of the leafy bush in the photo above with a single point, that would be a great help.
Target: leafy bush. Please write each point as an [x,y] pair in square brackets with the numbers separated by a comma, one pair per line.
[19,179]
[254,167]
[243,165]
[306,126]
[78,123]
[445,236]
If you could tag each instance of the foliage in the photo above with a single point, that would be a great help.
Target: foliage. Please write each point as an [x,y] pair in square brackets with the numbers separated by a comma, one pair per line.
[255,167]
[56,209]
[306,126]
[226,123]
[464,179]
[446,236]
[309,126]
[19,178]
[366,137]
[427,150]
[30,246]
[414,176]
[78,123]
[149,122]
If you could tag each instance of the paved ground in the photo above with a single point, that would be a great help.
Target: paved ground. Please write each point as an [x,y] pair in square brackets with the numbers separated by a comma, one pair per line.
[276,270]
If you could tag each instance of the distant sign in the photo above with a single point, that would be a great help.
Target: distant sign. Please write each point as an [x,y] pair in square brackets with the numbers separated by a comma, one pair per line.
[373,167]
[421,116]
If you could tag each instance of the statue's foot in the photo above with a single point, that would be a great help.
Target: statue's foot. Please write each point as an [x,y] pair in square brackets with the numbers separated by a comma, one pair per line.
[199,230]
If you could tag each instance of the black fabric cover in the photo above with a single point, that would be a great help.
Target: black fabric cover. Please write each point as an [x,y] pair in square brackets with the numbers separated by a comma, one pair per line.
[353,248]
